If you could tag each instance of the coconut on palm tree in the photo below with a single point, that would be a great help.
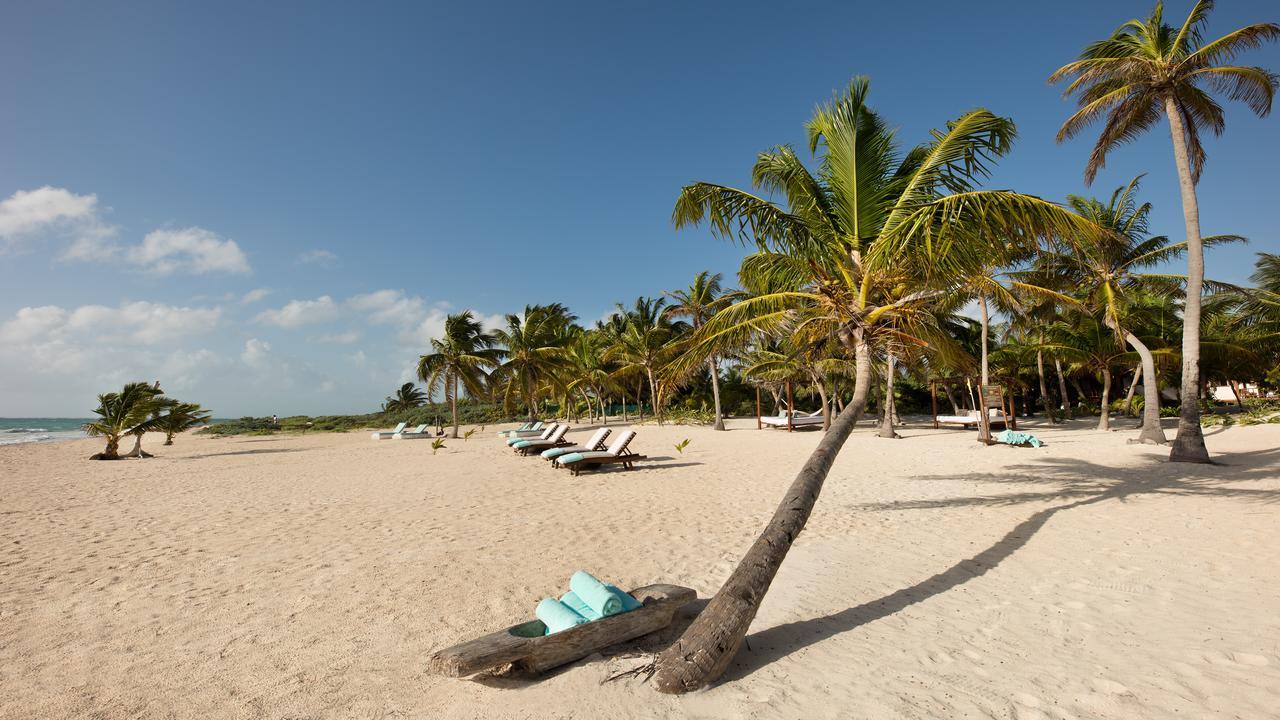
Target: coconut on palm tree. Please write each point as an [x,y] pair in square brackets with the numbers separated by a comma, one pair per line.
[458,361]
[868,218]
[408,396]
[1143,70]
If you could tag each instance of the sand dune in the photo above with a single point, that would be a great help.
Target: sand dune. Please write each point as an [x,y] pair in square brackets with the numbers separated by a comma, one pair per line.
[312,576]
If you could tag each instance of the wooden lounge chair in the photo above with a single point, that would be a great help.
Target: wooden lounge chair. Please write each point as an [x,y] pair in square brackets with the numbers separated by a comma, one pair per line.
[529,427]
[798,419]
[384,435]
[525,447]
[541,435]
[527,648]
[596,442]
[617,454]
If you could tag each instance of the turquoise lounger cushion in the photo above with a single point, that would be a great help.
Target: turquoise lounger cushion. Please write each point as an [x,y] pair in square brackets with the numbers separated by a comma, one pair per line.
[571,458]
[557,452]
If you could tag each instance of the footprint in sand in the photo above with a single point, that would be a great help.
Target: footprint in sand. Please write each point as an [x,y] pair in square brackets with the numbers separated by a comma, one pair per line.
[1109,687]
[1249,659]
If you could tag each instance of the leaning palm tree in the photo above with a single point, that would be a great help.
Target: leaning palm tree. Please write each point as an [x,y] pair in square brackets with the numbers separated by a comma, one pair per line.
[460,358]
[180,417]
[131,411]
[852,231]
[408,396]
[703,298]
[1147,68]
[1105,273]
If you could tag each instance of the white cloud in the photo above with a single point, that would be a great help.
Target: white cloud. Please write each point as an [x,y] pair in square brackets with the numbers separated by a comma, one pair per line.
[300,312]
[192,249]
[316,257]
[28,213]
[31,323]
[342,338]
[255,352]
[254,296]
[136,322]
[388,307]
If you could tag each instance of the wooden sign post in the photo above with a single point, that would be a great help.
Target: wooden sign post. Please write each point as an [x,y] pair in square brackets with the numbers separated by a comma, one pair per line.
[992,397]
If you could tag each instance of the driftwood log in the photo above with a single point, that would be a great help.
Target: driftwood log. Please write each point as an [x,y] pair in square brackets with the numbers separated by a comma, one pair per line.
[525,647]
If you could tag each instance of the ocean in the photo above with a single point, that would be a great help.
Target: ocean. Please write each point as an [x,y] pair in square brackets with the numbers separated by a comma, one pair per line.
[24,430]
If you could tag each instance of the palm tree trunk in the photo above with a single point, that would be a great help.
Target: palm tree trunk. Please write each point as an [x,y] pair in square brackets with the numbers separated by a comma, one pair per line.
[715,392]
[653,393]
[1044,387]
[886,423]
[1104,416]
[862,378]
[168,437]
[1188,445]
[1151,432]
[1062,390]
[1133,388]
[986,324]
[822,395]
[709,644]
[453,406]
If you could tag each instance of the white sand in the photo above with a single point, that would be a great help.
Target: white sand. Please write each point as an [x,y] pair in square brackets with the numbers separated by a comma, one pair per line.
[312,576]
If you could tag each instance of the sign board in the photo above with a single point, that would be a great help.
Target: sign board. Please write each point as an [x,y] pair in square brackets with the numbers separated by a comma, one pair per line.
[992,399]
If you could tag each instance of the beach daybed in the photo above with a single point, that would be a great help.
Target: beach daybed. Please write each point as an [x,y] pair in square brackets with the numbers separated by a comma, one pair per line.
[385,435]
[798,419]
[527,647]
[596,442]
[525,447]
[617,454]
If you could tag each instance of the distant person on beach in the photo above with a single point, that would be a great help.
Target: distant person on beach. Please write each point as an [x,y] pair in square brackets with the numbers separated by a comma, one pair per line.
[273,420]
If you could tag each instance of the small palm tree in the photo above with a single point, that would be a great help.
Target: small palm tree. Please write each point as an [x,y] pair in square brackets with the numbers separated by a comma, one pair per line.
[647,344]
[131,411]
[408,396]
[180,417]
[460,358]
[703,298]
[1147,68]
[533,350]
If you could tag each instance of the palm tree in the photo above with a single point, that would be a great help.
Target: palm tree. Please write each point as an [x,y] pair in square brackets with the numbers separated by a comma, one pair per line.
[460,357]
[129,412]
[180,417]
[703,298]
[408,396]
[869,218]
[1104,270]
[649,341]
[1143,69]
[533,348]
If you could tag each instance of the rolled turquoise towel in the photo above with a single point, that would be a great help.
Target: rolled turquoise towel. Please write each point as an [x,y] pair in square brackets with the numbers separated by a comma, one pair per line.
[576,604]
[1013,437]
[557,616]
[595,594]
[628,603]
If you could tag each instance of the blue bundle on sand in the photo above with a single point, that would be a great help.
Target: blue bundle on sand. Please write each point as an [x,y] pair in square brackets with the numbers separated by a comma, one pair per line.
[557,616]
[576,604]
[1013,437]
[595,594]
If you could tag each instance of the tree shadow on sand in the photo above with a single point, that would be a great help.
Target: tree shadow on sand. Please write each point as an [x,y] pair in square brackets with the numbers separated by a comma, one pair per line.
[1073,483]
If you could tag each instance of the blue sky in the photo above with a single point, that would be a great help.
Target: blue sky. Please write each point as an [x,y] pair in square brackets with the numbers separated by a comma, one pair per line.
[367,167]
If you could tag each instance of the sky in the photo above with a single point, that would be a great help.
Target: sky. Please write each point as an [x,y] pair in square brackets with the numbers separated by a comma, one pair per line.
[271,207]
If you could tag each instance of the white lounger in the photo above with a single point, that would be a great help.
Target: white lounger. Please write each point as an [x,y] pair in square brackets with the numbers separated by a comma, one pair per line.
[418,433]
[385,435]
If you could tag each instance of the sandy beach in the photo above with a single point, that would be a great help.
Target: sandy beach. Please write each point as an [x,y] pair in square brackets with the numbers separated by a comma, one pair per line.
[312,576]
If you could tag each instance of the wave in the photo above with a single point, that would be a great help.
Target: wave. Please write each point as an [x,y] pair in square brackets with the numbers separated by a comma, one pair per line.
[25,430]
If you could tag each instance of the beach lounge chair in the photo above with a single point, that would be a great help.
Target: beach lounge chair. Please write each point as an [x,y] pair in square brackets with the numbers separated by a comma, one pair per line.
[387,435]
[417,433]
[526,447]
[596,442]
[543,435]
[532,426]
[617,454]
[537,430]
[798,419]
